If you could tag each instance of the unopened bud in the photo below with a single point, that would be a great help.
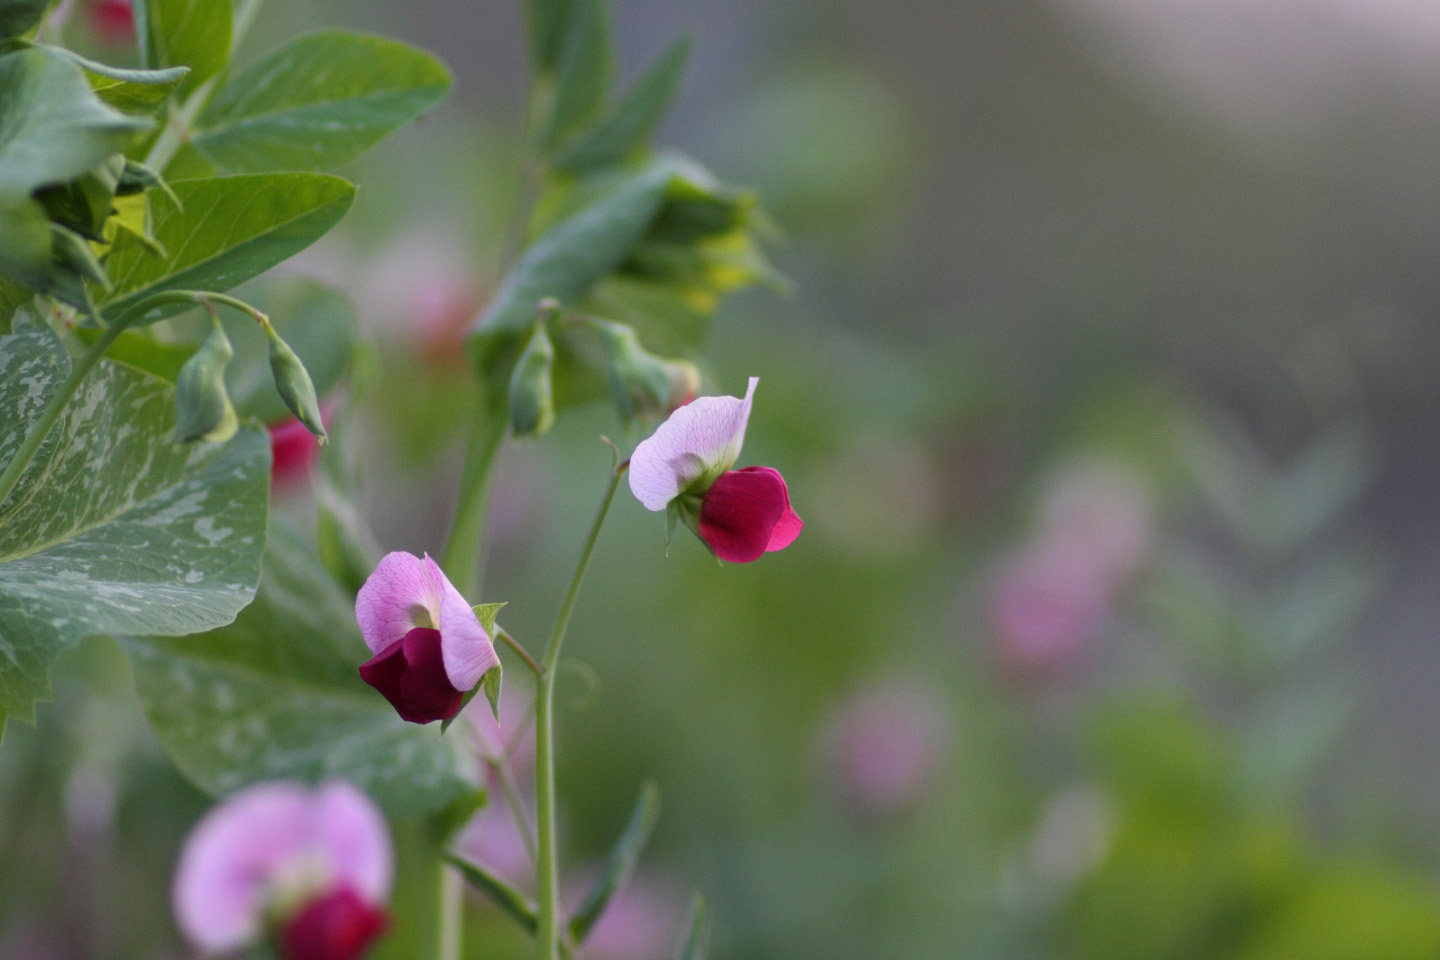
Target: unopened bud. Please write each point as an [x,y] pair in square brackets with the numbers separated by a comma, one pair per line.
[203,410]
[294,383]
[644,386]
[532,405]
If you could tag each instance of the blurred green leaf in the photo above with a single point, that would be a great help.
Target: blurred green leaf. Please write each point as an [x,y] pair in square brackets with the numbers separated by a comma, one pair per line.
[545,25]
[185,33]
[1291,735]
[230,229]
[316,320]
[52,125]
[318,102]
[13,295]
[514,903]
[18,16]
[171,543]
[697,932]
[134,91]
[133,347]
[278,694]
[620,864]
[583,76]
[627,128]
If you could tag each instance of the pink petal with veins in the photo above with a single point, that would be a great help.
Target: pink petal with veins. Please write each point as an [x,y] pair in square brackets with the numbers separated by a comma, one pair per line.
[704,435]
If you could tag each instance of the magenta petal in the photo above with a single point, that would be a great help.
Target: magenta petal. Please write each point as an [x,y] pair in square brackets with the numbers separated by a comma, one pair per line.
[339,925]
[411,675]
[741,511]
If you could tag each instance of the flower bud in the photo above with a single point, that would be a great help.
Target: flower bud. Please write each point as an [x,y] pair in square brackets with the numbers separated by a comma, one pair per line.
[532,406]
[293,382]
[644,386]
[203,410]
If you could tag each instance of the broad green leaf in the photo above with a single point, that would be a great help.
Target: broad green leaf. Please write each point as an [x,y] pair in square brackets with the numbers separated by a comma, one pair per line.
[512,902]
[628,126]
[229,230]
[317,321]
[583,76]
[52,125]
[134,91]
[169,542]
[143,352]
[569,258]
[620,864]
[13,296]
[278,694]
[545,23]
[24,242]
[18,16]
[318,102]
[185,33]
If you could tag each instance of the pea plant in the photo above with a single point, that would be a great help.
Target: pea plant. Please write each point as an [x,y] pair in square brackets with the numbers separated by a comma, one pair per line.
[314,684]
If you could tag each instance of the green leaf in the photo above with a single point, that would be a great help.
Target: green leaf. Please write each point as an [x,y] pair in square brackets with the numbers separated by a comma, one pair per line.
[278,694]
[156,357]
[487,614]
[317,321]
[627,128]
[545,22]
[18,16]
[170,542]
[512,902]
[318,102]
[25,244]
[125,88]
[620,864]
[697,933]
[13,296]
[584,72]
[569,258]
[229,230]
[52,125]
[185,33]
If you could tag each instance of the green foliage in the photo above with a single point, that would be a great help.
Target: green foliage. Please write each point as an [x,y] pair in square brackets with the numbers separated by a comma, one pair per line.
[545,23]
[133,91]
[620,864]
[318,102]
[18,16]
[697,932]
[511,902]
[185,33]
[627,127]
[583,73]
[277,694]
[228,230]
[170,543]
[203,410]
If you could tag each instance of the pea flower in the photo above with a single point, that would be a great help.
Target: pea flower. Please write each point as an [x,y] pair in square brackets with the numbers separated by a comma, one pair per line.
[307,870]
[685,469]
[430,648]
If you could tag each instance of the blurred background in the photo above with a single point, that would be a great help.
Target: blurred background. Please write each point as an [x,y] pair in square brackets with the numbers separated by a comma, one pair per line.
[1108,392]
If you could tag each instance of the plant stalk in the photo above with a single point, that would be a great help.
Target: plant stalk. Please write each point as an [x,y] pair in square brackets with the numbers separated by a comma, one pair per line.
[547,881]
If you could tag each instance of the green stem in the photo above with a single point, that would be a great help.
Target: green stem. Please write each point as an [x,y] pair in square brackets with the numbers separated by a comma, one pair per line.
[464,550]
[78,371]
[547,881]
[449,920]
[177,130]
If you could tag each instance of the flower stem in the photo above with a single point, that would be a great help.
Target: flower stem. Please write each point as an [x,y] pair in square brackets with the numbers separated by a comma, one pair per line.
[547,936]
[451,907]
[464,552]
[78,372]
[509,641]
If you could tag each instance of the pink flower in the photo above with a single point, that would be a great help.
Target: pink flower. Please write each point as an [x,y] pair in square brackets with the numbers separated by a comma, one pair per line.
[293,452]
[1047,606]
[430,647]
[310,869]
[639,923]
[685,467]
[887,744]
[113,20]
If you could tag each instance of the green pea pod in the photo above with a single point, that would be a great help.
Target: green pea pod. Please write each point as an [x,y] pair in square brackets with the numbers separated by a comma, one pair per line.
[532,405]
[642,385]
[294,383]
[203,410]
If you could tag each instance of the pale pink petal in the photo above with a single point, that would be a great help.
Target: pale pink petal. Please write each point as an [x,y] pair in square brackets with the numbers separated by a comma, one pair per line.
[704,436]
[230,858]
[464,643]
[353,840]
[398,597]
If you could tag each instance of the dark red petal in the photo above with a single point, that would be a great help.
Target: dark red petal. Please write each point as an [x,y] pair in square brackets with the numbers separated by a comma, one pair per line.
[740,512]
[337,926]
[410,673]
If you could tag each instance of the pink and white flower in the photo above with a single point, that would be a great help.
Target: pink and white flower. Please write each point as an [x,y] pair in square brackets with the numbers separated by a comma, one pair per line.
[430,648]
[685,468]
[308,869]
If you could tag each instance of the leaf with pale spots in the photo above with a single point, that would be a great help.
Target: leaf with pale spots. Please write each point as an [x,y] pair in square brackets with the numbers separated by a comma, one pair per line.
[278,695]
[169,542]
[318,102]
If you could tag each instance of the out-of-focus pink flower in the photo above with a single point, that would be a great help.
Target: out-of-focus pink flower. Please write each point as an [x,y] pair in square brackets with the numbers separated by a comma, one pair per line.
[113,20]
[493,838]
[1046,607]
[514,729]
[886,745]
[312,868]
[1106,510]
[293,452]
[429,645]
[641,922]
[422,288]
[739,514]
